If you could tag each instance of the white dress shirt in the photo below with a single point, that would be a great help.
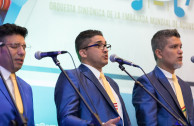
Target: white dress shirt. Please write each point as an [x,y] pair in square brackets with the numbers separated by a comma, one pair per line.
[6,75]
[169,77]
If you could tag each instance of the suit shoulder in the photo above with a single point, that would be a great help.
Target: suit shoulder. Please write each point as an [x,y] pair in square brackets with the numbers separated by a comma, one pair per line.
[144,77]
[145,81]
[63,81]
[24,83]
[69,72]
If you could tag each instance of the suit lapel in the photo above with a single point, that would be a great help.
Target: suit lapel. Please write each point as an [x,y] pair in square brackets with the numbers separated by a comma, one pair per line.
[89,75]
[4,91]
[164,81]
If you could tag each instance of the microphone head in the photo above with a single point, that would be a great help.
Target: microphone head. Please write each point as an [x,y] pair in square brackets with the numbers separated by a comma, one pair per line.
[192,59]
[112,57]
[2,43]
[38,55]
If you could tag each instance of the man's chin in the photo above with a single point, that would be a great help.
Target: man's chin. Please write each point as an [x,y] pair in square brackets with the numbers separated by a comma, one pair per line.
[177,66]
[16,68]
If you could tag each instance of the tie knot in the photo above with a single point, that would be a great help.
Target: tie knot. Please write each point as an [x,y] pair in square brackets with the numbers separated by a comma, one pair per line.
[102,75]
[174,77]
[12,76]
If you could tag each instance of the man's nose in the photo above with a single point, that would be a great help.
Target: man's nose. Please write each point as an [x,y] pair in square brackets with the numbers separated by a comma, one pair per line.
[21,50]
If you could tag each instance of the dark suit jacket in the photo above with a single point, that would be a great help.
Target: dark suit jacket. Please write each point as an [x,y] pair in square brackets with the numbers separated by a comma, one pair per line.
[7,108]
[71,110]
[149,112]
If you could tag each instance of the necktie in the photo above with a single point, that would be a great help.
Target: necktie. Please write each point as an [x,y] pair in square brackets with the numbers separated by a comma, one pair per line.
[108,90]
[179,94]
[18,99]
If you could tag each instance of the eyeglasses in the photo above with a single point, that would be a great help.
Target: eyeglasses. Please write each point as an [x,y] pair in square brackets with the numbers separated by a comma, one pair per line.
[100,46]
[17,45]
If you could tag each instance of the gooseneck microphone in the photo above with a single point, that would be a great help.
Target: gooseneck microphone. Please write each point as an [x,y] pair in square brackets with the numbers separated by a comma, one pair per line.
[39,55]
[192,59]
[115,58]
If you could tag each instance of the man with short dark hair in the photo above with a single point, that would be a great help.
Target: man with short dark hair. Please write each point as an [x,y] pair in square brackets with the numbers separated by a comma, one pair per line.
[100,92]
[168,88]
[12,54]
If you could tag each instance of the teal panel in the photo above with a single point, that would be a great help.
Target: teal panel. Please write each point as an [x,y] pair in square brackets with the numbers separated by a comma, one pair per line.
[44,106]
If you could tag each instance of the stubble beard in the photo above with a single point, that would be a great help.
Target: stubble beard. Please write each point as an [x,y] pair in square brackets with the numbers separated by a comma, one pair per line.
[177,66]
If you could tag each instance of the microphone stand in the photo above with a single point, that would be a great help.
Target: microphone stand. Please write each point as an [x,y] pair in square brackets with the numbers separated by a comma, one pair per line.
[20,120]
[96,120]
[142,86]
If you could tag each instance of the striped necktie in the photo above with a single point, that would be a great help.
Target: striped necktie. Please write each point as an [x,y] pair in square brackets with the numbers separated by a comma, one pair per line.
[18,99]
[179,94]
[108,90]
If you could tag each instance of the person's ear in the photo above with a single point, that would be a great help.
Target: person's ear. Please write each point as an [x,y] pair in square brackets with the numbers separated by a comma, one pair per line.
[158,53]
[83,53]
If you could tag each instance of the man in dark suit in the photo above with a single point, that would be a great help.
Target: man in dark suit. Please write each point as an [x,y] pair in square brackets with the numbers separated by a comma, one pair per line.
[92,50]
[12,54]
[170,90]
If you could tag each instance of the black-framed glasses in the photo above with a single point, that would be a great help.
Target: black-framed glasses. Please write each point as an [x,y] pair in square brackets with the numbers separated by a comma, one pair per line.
[100,46]
[17,45]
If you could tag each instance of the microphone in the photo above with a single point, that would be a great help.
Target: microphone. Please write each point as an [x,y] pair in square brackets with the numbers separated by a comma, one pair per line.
[192,59]
[2,44]
[115,58]
[39,55]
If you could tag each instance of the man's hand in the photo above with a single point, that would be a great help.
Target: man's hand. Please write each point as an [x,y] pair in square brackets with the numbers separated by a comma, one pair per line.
[112,122]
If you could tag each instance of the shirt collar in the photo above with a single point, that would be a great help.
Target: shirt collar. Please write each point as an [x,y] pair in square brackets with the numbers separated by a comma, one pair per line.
[94,70]
[5,73]
[166,73]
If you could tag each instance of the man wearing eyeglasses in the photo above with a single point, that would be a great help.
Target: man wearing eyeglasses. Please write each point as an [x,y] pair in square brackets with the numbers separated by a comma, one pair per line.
[100,92]
[15,94]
